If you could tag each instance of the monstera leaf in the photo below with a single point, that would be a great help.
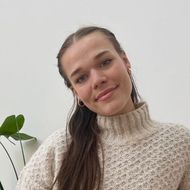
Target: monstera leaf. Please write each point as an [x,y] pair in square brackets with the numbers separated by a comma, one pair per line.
[11,127]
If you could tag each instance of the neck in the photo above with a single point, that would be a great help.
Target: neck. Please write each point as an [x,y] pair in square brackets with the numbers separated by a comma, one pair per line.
[131,126]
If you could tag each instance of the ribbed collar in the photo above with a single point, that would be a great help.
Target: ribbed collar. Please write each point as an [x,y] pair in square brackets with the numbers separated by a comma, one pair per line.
[132,126]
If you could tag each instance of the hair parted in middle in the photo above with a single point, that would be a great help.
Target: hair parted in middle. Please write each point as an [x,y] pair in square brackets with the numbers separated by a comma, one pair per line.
[81,168]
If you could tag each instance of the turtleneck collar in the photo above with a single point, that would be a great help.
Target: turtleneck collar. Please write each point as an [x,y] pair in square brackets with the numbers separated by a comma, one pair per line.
[131,126]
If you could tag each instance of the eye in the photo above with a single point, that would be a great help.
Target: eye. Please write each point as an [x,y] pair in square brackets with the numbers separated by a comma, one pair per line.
[81,79]
[106,62]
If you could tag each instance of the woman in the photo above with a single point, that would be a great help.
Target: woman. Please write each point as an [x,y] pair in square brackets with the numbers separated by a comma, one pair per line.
[112,142]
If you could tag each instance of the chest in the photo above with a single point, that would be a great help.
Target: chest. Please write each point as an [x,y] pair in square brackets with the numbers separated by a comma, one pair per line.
[150,164]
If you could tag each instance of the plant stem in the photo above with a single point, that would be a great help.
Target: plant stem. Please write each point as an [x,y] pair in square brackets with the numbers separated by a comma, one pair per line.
[10,160]
[22,150]
[10,141]
[1,186]
[23,156]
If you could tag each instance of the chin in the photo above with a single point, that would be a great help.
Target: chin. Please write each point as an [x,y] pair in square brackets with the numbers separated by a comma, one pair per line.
[109,108]
[110,111]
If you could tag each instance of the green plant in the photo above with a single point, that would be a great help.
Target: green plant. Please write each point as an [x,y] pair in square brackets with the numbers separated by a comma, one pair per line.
[11,129]
[1,187]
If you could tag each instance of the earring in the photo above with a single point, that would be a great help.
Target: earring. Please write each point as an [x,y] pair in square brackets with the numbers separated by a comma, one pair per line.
[80,103]
[129,70]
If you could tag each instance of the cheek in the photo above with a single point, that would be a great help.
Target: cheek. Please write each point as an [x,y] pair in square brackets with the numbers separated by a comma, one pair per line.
[120,73]
[127,82]
[123,77]
[84,93]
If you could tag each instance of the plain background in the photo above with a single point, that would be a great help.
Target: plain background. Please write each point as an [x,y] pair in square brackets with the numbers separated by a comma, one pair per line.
[154,34]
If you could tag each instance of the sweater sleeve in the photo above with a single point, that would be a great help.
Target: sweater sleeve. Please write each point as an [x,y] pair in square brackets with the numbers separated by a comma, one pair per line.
[185,182]
[39,173]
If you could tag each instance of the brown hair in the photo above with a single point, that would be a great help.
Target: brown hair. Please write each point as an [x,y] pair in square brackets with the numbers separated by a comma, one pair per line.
[80,169]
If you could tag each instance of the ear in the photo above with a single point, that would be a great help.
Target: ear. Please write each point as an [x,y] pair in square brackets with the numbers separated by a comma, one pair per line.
[74,91]
[126,61]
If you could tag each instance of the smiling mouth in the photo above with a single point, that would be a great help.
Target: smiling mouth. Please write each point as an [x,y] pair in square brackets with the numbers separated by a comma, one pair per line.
[106,94]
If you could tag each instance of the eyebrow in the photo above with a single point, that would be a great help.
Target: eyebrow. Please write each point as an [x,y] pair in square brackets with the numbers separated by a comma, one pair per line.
[101,54]
[96,57]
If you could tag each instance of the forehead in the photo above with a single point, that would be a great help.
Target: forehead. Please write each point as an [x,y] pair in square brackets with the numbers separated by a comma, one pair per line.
[87,47]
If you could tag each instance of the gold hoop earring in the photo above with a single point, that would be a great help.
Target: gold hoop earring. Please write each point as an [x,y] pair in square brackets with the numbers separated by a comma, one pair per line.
[80,103]
[129,70]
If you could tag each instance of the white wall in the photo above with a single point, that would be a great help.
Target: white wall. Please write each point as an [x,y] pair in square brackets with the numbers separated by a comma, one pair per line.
[154,33]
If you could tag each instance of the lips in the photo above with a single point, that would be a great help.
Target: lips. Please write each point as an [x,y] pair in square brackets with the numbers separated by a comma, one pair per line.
[105,94]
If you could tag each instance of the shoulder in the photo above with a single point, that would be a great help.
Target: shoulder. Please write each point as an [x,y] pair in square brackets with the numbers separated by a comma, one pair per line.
[53,148]
[53,142]
[57,138]
[44,164]
[174,129]
[175,135]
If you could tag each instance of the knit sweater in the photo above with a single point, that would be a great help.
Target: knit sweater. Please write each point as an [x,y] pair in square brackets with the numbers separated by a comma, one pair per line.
[139,154]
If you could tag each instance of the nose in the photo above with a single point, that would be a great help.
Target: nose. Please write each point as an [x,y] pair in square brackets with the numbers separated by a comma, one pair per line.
[98,78]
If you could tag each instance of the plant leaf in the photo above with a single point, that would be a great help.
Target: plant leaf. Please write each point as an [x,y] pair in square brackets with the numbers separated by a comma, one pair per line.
[20,121]
[21,136]
[11,125]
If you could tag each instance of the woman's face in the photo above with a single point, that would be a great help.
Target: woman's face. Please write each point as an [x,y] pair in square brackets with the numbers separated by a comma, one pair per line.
[99,75]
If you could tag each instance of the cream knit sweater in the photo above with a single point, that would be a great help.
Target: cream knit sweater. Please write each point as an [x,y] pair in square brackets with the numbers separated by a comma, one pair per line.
[139,154]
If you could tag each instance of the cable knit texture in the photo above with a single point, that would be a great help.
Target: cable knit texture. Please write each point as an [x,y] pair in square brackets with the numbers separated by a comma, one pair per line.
[139,154]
